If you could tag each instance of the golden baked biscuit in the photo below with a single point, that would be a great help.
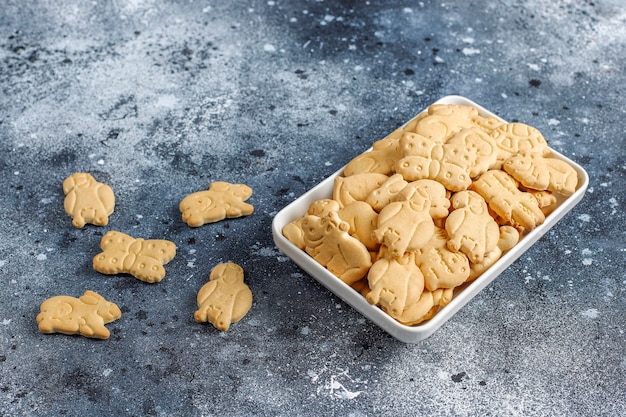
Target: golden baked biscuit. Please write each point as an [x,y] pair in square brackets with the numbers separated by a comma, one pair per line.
[509,236]
[225,299]
[87,200]
[388,190]
[293,231]
[501,192]
[222,200]
[143,259]
[533,170]
[395,283]
[484,145]
[380,159]
[444,120]
[356,187]
[404,226]
[441,267]
[362,219]
[470,227]
[429,303]
[327,240]
[514,138]
[85,315]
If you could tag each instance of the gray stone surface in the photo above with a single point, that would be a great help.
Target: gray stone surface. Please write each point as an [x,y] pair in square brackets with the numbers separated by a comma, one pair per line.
[158,99]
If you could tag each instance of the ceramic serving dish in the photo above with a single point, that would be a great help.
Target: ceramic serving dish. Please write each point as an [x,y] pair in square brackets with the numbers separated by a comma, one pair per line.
[462,295]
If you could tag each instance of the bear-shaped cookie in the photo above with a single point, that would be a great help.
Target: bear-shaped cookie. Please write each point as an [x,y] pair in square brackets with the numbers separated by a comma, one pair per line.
[225,299]
[87,200]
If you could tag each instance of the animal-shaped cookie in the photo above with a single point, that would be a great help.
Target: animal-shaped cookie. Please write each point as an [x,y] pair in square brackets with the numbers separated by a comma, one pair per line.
[327,240]
[363,220]
[444,120]
[387,192]
[509,236]
[484,145]
[448,163]
[293,231]
[380,159]
[395,283]
[87,200]
[143,259]
[501,192]
[356,187]
[85,315]
[225,299]
[429,191]
[404,226]
[441,267]
[222,200]
[470,227]
[514,138]
[533,170]
[429,303]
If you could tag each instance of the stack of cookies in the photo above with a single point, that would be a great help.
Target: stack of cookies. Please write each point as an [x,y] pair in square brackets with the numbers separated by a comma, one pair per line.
[431,207]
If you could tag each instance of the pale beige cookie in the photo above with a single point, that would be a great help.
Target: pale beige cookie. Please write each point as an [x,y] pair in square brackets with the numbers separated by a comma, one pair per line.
[404,226]
[484,145]
[429,303]
[533,170]
[363,220]
[293,231]
[514,138]
[380,159]
[327,240]
[509,236]
[395,283]
[356,187]
[470,227]
[384,194]
[225,299]
[442,268]
[222,200]
[87,200]
[546,200]
[449,164]
[143,259]
[361,286]
[444,120]
[501,192]
[85,315]
[431,191]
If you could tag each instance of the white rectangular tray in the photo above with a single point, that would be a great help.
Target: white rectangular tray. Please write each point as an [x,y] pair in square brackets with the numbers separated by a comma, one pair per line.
[462,295]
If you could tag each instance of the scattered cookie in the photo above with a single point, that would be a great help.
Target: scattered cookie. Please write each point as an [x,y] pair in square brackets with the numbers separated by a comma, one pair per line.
[225,299]
[85,315]
[143,259]
[222,200]
[87,200]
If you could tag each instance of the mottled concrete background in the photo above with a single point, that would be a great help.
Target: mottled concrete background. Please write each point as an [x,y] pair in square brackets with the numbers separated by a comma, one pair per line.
[159,99]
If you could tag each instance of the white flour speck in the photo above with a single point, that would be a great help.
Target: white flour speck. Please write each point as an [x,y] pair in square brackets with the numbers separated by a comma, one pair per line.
[533,67]
[591,313]
[470,51]
[268,47]
[107,372]
[584,217]
[587,261]
[553,122]
[305,330]
[41,257]
[6,322]
[2,263]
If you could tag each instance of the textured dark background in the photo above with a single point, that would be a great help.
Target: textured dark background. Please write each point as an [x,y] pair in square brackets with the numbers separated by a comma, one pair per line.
[158,99]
